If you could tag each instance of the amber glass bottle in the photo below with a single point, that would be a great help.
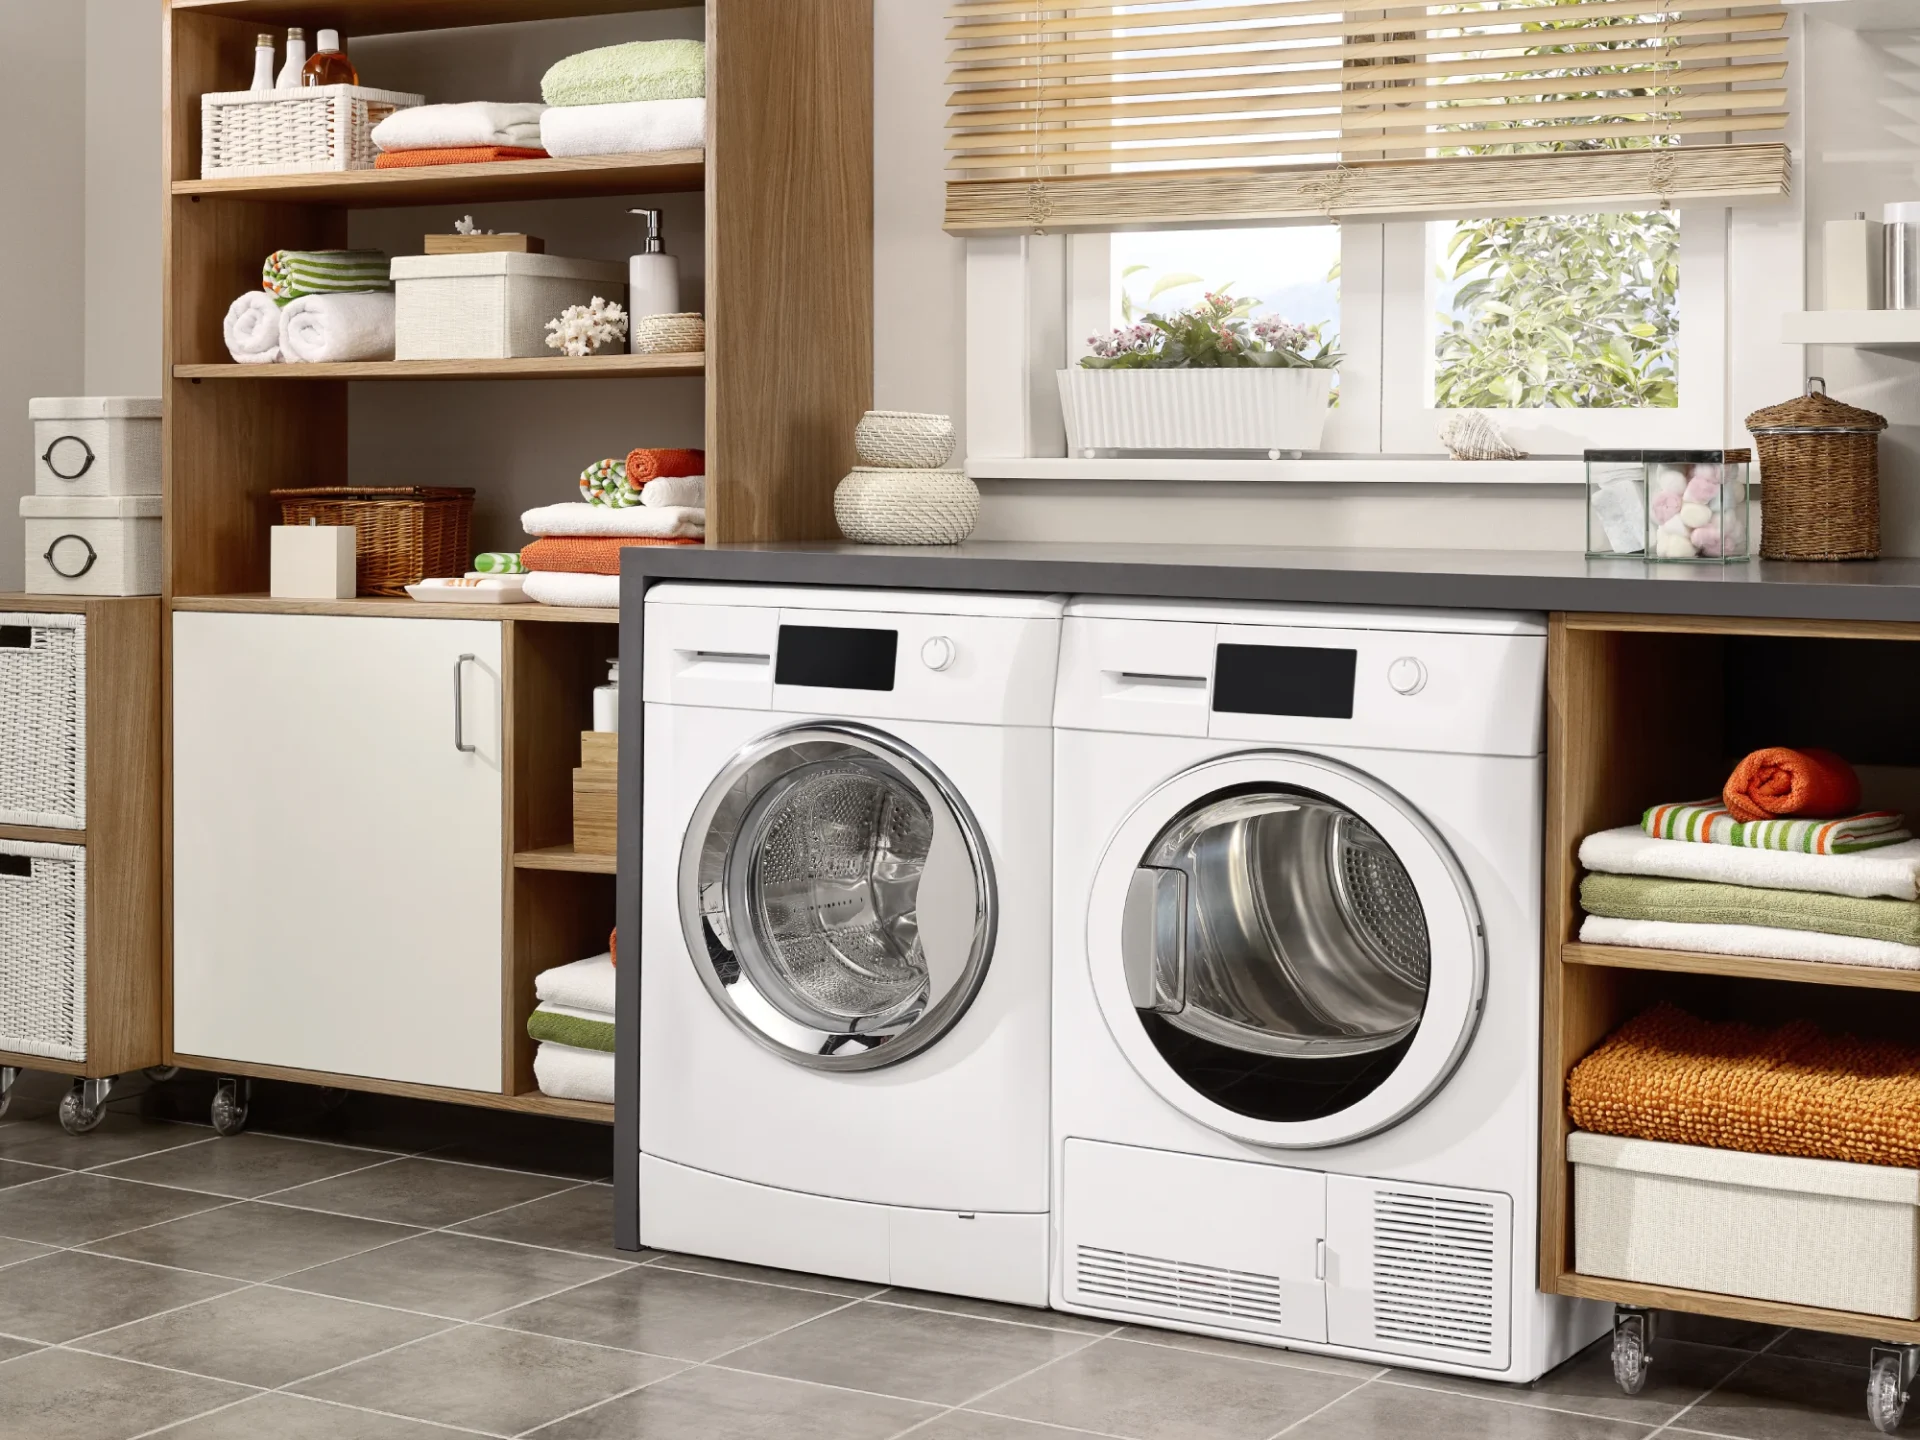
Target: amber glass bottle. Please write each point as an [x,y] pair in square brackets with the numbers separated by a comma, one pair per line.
[329,65]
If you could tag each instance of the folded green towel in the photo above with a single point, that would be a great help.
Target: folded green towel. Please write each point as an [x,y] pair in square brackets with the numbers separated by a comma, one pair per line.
[570,1027]
[1699,902]
[500,562]
[289,274]
[643,70]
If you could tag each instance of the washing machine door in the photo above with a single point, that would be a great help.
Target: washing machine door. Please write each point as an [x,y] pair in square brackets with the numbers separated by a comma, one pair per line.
[1285,950]
[837,897]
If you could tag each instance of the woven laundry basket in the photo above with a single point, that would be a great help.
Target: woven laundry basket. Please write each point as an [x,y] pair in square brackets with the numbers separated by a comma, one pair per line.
[906,507]
[402,535]
[901,440]
[294,132]
[494,305]
[1819,478]
[43,949]
[96,444]
[669,334]
[43,721]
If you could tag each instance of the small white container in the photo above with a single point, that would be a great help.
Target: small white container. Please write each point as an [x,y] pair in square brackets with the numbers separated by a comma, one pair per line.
[311,562]
[491,306]
[1855,264]
[96,444]
[875,506]
[1254,409]
[92,545]
[606,701]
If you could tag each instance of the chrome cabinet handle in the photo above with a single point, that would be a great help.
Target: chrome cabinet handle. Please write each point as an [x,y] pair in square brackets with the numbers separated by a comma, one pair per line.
[54,565]
[85,465]
[1153,940]
[460,708]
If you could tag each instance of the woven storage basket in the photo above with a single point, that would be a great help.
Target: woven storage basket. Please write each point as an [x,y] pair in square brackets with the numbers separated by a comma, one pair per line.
[43,721]
[669,334]
[43,949]
[900,440]
[403,535]
[906,507]
[294,132]
[1819,478]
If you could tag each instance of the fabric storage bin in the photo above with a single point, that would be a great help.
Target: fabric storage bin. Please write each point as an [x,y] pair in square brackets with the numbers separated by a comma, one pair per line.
[294,132]
[491,306]
[43,949]
[1768,1227]
[92,545]
[43,721]
[96,445]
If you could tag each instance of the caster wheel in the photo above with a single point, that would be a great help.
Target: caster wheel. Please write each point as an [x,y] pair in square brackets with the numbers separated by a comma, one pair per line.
[229,1110]
[333,1099]
[76,1117]
[1886,1392]
[160,1074]
[1630,1358]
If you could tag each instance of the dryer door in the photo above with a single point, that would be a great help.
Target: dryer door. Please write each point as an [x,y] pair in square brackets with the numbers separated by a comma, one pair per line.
[837,897]
[1285,950]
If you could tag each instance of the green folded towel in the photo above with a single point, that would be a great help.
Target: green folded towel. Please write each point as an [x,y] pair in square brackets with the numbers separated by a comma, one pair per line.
[566,1028]
[643,70]
[1699,902]
[289,274]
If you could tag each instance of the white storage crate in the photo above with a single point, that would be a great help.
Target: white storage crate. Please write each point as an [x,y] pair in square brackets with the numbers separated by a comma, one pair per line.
[43,950]
[491,306]
[1769,1227]
[96,445]
[92,545]
[43,721]
[294,132]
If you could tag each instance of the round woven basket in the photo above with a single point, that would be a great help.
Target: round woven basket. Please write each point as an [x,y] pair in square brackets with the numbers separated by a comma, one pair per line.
[880,506]
[901,440]
[1819,478]
[669,334]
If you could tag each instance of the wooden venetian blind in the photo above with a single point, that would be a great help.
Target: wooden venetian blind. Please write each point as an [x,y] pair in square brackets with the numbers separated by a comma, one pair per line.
[1087,114]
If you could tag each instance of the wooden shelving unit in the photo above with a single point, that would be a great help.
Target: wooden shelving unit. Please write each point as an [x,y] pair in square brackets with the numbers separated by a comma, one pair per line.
[565,857]
[665,173]
[591,367]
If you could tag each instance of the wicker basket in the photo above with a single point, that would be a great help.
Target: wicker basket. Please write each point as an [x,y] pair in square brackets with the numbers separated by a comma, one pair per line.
[403,535]
[1819,478]
[906,507]
[294,132]
[901,440]
[43,722]
[43,949]
[669,334]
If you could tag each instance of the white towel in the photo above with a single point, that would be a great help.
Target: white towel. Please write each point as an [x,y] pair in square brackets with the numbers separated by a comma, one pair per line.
[675,490]
[648,522]
[474,122]
[252,329]
[1893,871]
[1762,940]
[632,127]
[354,326]
[584,985]
[592,592]
[569,1074]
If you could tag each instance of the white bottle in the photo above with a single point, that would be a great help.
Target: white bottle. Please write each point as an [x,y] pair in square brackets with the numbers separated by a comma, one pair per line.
[653,278]
[606,700]
[296,59]
[262,66]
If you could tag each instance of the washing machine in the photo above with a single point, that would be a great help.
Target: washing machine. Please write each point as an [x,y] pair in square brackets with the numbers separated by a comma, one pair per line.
[1296,1089]
[845,937]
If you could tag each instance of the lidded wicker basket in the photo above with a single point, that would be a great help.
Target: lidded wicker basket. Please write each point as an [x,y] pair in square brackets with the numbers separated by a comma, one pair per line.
[1819,478]
[402,534]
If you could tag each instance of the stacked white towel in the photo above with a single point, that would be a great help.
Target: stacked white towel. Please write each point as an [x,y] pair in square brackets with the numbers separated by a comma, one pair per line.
[643,521]
[631,127]
[463,126]
[584,989]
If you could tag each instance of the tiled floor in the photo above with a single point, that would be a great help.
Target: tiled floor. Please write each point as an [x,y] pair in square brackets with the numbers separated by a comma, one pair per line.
[392,1271]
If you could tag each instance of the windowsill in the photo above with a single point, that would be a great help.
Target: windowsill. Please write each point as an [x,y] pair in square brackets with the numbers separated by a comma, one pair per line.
[1320,470]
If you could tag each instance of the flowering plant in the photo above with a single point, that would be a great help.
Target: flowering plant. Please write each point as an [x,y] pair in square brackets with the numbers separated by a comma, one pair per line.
[1216,334]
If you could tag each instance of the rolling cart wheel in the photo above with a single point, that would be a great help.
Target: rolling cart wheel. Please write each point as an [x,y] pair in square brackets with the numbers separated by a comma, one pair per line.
[77,1117]
[160,1074]
[8,1075]
[1888,1381]
[230,1107]
[1631,1358]
[333,1098]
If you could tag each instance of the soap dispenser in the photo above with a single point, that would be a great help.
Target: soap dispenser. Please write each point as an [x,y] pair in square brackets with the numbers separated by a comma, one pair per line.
[653,276]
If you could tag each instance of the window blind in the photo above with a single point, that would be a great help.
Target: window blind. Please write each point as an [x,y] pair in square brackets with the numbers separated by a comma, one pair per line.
[1089,114]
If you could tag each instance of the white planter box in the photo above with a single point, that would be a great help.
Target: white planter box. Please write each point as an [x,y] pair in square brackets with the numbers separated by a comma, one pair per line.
[103,545]
[1271,410]
[491,306]
[1769,1227]
[96,445]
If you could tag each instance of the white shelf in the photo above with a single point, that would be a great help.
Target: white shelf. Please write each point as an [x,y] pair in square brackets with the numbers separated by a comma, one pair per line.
[1894,330]
[1356,470]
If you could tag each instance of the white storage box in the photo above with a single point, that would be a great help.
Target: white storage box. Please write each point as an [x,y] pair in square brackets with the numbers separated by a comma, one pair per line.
[491,306]
[43,949]
[294,132]
[43,722]
[96,445]
[1252,409]
[1769,1227]
[98,545]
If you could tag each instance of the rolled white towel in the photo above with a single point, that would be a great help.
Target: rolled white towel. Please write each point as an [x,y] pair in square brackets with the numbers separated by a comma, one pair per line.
[472,122]
[593,592]
[629,127]
[647,522]
[252,329]
[354,326]
[570,1074]
[676,490]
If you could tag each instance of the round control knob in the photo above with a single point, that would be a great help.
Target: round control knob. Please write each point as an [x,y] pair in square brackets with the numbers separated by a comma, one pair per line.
[1407,675]
[938,653]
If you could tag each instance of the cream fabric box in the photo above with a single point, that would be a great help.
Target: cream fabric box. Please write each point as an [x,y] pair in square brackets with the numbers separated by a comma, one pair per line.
[96,444]
[1769,1227]
[491,306]
[92,545]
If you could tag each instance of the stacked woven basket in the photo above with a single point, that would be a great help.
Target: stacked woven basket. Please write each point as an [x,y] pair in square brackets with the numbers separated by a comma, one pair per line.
[901,493]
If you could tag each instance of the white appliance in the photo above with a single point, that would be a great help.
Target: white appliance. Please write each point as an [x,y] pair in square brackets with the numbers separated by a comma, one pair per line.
[1296,981]
[845,939]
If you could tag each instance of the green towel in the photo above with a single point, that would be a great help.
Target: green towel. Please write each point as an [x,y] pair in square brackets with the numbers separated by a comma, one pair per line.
[643,70]
[545,1024]
[1700,902]
[499,562]
[289,274]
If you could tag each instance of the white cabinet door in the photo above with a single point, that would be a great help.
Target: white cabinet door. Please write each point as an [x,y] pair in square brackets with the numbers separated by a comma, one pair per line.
[336,859]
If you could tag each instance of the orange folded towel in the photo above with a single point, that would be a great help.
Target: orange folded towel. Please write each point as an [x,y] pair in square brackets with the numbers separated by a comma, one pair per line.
[1811,784]
[588,555]
[458,155]
[645,465]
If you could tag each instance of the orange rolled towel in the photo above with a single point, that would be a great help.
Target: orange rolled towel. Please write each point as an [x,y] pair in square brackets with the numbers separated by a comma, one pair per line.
[589,555]
[1810,784]
[457,155]
[645,465]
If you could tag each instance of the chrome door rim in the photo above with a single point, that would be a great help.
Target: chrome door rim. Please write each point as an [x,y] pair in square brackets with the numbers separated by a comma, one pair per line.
[705,851]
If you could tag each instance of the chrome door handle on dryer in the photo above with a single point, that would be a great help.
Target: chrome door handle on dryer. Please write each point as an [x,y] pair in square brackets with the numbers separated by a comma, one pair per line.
[460,708]
[1153,940]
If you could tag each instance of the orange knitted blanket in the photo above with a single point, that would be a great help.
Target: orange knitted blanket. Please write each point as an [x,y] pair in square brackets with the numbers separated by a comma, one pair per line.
[589,555]
[455,155]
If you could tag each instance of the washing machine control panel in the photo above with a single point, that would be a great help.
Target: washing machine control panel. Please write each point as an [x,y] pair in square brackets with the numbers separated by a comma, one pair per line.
[938,653]
[1407,676]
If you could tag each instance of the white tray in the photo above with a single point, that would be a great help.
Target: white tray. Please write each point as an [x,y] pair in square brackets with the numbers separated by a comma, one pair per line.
[490,590]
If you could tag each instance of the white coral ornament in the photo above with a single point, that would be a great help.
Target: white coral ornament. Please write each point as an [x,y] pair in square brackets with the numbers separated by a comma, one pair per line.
[1470,435]
[583,329]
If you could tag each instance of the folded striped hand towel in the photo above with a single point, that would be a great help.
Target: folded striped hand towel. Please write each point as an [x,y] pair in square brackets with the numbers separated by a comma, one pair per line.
[289,274]
[1711,823]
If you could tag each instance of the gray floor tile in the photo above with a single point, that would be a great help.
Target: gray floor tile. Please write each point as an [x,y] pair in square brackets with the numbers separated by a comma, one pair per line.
[1375,1412]
[495,1380]
[1243,1350]
[11,1348]
[119,1137]
[423,1192]
[252,1241]
[994,1310]
[68,1294]
[12,1252]
[246,1166]
[574,1149]
[453,1275]
[914,1354]
[971,1425]
[1681,1373]
[73,1209]
[263,1337]
[13,1173]
[668,1312]
[1781,1399]
[63,1395]
[1144,1391]
[580,1220]
[705,1404]
[760,1274]
[293,1417]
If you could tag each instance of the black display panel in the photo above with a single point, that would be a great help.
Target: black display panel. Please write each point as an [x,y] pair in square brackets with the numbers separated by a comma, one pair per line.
[1284,680]
[831,657]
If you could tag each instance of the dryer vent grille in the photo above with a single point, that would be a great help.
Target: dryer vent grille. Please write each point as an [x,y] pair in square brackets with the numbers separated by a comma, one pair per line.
[1150,1282]
[1436,1271]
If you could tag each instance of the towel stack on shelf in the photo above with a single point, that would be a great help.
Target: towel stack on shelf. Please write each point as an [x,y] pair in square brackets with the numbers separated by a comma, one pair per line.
[574,1024]
[314,306]
[644,97]
[653,497]
[469,133]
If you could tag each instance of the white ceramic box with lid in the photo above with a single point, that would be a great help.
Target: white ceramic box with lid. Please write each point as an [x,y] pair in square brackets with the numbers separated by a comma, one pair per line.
[493,305]
[96,444]
[92,545]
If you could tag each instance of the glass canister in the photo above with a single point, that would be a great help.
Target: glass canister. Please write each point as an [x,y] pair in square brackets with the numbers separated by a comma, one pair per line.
[1671,505]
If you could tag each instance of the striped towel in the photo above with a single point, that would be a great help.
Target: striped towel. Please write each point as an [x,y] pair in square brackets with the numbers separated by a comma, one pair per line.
[1711,823]
[605,483]
[499,562]
[289,274]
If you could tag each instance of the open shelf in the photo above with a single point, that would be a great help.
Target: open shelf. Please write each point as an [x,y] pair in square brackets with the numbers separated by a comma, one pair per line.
[565,857]
[538,367]
[662,173]
[1745,967]
[386,17]
[1892,330]
[381,607]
